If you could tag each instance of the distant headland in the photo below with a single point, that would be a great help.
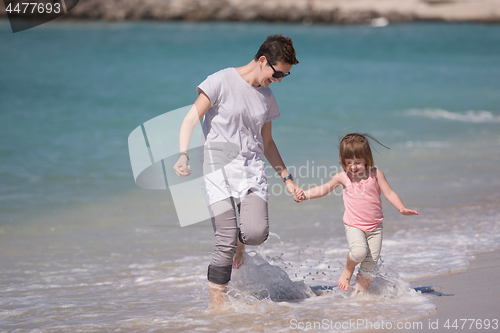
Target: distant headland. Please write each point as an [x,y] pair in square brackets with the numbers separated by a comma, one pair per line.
[375,12]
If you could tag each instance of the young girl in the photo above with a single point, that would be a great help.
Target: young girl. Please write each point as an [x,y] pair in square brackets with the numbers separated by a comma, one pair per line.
[362,183]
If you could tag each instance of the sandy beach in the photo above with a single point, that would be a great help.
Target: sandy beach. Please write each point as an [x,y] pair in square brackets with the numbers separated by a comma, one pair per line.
[473,294]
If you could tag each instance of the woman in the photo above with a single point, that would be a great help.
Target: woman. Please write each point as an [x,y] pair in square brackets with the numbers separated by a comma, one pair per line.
[238,108]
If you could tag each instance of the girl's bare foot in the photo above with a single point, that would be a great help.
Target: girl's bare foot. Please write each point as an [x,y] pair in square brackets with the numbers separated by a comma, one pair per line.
[239,257]
[345,278]
[362,284]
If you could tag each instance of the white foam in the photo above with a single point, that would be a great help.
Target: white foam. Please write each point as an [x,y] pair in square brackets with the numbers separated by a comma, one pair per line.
[273,285]
[390,299]
[428,144]
[470,116]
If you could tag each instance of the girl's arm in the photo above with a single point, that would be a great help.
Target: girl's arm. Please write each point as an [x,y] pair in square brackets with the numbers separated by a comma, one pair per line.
[392,196]
[274,158]
[193,117]
[322,190]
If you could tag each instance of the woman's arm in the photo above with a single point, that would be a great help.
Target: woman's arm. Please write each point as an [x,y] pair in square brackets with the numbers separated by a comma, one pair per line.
[322,190]
[392,196]
[274,158]
[193,117]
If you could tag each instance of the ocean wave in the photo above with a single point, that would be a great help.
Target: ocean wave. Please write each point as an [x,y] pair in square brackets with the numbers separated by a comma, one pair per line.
[427,144]
[470,116]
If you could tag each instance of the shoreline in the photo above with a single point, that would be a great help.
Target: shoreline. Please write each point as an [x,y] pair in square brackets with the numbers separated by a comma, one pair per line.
[377,13]
[471,294]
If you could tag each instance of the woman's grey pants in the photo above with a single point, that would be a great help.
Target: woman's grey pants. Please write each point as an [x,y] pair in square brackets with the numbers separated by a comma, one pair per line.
[253,230]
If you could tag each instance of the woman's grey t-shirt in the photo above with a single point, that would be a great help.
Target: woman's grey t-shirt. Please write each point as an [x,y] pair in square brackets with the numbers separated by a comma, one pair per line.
[236,116]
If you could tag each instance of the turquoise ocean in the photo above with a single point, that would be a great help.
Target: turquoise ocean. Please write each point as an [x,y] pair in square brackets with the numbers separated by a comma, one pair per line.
[84,249]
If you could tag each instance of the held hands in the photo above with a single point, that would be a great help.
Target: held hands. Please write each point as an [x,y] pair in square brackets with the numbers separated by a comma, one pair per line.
[299,195]
[296,191]
[181,168]
[408,212]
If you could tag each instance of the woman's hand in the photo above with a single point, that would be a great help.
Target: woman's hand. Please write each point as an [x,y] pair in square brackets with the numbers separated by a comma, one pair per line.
[295,190]
[182,168]
[299,195]
[191,120]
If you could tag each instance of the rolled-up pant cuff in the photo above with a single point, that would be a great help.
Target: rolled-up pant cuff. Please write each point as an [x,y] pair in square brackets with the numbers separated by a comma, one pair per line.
[219,274]
[240,237]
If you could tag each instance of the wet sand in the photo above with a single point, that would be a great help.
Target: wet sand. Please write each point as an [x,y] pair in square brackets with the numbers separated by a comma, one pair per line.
[473,294]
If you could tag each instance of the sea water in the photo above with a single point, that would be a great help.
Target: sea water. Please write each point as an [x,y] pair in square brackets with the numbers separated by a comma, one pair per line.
[83,249]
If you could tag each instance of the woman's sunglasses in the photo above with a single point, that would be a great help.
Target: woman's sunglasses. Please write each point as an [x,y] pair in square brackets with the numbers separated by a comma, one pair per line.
[277,74]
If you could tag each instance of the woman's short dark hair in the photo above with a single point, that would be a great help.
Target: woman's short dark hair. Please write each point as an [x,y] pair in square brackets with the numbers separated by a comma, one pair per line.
[277,48]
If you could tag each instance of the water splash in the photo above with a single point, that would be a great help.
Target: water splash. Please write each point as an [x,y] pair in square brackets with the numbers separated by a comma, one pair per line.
[265,281]
[389,284]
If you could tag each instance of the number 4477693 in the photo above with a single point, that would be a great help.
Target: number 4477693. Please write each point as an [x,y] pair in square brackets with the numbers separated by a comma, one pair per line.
[470,324]
[34,8]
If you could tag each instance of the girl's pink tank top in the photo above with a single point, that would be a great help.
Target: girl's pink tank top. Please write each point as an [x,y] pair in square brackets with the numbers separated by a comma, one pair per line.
[362,202]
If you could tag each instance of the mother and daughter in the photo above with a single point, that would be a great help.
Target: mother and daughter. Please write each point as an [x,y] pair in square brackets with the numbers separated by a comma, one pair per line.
[237,108]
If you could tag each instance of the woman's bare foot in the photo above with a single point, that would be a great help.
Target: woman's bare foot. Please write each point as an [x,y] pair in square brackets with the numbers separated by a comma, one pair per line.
[217,295]
[239,257]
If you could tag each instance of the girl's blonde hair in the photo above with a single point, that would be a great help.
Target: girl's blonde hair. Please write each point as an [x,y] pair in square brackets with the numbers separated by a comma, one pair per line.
[356,145]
